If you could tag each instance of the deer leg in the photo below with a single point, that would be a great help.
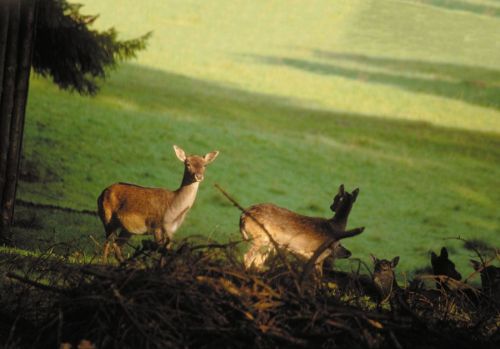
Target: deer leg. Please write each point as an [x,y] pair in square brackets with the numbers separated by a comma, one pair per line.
[255,256]
[169,237]
[105,252]
[319,263]
[158,235]
[110,240]
[118,244]
[250,256]
[262,257]
[163,238]
[164,241]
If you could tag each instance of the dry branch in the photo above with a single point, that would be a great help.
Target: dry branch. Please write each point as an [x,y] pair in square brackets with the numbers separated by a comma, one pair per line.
[201,298]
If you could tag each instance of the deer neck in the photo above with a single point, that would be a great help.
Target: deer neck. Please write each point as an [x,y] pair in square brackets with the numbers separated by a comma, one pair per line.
[339,220]
[186,194]
[182,200]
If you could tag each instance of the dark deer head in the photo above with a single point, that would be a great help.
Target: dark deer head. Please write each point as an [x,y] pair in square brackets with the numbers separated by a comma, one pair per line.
[490,278]
[442,265]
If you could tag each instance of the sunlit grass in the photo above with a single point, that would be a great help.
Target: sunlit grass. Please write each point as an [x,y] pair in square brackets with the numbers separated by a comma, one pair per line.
[379,95]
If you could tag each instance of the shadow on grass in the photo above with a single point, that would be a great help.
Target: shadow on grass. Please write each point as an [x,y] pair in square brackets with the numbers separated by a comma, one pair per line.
[460,5]
[48,227]
[474,85]
[173,93]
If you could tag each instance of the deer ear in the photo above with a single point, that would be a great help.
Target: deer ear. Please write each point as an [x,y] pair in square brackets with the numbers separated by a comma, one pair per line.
[395,261]
[211,156]
[181,155]
[444,253]
[341,189]
[433,256]
[355,193]
[374,259]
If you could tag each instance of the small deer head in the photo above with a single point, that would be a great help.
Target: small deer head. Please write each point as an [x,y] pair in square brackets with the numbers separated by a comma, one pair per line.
[384,277]
[194,165]
[490,278]
[340,252]
[442,265]
[342,198]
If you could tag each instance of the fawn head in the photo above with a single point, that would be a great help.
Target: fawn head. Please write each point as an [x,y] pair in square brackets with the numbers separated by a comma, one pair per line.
[194,165]
[490,276]
[442,265]
[344,198]
[384,277]
[383,266]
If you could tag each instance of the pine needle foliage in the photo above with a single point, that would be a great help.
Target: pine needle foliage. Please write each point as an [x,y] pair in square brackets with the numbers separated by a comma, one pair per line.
[72,53]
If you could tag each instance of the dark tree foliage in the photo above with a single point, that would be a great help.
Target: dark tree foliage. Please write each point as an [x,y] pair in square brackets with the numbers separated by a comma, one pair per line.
[74,55]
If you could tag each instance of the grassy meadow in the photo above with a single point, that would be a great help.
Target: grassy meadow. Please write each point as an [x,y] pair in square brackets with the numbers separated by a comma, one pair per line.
[399,98]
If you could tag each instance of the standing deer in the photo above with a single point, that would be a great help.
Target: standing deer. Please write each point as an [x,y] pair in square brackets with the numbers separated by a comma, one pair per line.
[268,226]
[138,210]
[442,265]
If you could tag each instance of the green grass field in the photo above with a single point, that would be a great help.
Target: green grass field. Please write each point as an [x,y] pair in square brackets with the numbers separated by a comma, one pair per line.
[399,98]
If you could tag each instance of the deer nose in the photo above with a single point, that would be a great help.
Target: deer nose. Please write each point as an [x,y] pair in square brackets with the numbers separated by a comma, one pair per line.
[198,177]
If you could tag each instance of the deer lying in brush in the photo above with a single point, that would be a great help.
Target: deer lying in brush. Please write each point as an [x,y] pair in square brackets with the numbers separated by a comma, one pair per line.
[384,278]
[268,226]
[443,266]
[139,210]
[490,279]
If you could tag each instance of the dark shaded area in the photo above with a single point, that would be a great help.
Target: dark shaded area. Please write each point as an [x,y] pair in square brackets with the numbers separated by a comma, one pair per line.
[33,170]
[466,73]
[474,85]
[74,55]
[37,206]
[17,32]
[460,5]
[31,222]
[479,246]
[202,297]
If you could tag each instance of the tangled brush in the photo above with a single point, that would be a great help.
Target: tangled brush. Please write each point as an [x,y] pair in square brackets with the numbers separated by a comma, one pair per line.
[200,296]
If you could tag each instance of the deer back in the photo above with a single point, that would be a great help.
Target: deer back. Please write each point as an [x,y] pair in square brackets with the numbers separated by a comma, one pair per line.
[137,209]
[287,228]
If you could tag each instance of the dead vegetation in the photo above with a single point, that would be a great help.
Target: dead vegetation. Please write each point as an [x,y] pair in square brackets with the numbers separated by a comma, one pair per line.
[203,297]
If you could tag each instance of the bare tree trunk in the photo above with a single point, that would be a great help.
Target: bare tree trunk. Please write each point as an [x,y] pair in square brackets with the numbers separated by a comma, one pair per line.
[16,82]
[4,31]
[5,10]
[8,87]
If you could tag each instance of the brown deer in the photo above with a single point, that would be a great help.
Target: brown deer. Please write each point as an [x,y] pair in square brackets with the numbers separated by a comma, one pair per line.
[132,209]
[384,278]
[442,265]
[268,226]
